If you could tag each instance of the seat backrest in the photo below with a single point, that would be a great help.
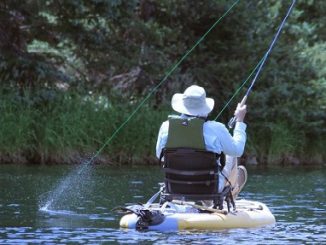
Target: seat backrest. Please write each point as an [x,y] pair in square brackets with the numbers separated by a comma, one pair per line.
[191,172]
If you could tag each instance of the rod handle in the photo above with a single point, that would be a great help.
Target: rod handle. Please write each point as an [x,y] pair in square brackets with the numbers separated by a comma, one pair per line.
[244,100]
[233,119]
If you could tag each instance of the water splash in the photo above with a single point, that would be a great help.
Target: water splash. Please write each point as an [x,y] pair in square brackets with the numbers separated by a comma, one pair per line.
[70,191]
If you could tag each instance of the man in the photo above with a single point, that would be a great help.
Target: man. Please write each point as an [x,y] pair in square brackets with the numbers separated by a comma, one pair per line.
[193,103]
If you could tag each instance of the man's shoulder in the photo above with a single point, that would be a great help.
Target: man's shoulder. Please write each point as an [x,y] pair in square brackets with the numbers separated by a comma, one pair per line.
[165,125]
[214,124]
[214,127]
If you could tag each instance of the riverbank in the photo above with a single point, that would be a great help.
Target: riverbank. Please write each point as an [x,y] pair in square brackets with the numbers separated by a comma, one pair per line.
[125,159]
[70,128]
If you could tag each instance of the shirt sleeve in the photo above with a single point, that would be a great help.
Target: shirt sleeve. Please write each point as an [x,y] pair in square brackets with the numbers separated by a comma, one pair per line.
[162,138]
[234,145]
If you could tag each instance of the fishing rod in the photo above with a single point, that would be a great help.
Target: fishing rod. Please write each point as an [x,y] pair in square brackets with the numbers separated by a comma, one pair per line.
[232,121]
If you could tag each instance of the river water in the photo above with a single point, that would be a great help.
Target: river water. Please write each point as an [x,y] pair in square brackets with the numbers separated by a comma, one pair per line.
[62,204]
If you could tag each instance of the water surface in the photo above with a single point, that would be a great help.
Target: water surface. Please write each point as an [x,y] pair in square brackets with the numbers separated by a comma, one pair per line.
[82,211]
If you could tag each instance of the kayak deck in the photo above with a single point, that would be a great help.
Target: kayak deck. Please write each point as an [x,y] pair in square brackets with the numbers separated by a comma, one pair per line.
[186,216]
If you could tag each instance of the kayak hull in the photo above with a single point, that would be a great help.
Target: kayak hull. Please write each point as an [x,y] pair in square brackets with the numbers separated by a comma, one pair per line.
[249,214]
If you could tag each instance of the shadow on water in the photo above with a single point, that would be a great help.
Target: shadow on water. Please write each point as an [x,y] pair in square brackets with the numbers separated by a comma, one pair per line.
[83,213]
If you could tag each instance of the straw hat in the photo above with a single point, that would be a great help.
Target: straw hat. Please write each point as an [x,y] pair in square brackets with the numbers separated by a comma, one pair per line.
[192,102]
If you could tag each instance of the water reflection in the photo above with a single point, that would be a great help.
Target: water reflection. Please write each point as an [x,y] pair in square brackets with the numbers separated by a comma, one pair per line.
[295,196]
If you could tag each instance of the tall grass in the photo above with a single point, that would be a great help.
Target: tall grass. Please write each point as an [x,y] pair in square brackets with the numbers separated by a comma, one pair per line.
[281,143]
[69,127]
[72,127]
[15,124]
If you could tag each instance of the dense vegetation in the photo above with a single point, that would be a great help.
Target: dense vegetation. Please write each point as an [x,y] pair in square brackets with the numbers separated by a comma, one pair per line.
[72,72]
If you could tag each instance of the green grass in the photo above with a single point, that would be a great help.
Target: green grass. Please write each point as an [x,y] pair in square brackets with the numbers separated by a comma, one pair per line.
[69,127]
[279,142]
[73,126]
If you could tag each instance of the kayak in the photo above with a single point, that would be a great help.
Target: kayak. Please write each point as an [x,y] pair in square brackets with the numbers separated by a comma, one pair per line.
[186,215]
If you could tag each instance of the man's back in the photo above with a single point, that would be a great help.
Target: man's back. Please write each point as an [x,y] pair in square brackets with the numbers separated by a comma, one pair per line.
[216,136]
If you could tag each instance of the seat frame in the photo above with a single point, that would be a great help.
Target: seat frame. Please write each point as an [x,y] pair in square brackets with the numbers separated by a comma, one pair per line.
[192,175]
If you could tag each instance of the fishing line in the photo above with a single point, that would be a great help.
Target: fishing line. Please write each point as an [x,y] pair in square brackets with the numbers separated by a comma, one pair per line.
[62,187]
[260,66]
[238,90]
[270,48]
[170,71]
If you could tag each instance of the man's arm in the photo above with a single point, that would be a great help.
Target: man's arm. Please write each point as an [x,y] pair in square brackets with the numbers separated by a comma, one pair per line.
[162,138]
[234,146]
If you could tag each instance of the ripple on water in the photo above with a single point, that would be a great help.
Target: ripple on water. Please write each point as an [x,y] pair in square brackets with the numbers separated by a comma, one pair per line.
[299,211]
[13,205]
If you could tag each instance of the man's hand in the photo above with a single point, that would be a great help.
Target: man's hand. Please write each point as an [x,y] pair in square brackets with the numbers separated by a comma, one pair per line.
[240,112]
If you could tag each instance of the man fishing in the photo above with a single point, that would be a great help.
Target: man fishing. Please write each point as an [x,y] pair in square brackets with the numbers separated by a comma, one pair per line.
[194,104]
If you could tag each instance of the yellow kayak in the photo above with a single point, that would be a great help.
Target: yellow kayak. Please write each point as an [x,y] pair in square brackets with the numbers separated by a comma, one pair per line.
[182,216]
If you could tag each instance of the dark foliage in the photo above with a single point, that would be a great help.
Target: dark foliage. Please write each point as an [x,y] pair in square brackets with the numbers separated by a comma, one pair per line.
[123,48]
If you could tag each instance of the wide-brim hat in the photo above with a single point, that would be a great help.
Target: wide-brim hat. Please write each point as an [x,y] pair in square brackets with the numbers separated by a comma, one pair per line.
[192,102]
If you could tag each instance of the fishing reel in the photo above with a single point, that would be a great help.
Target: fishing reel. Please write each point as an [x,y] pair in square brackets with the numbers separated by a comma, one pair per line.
[232,122]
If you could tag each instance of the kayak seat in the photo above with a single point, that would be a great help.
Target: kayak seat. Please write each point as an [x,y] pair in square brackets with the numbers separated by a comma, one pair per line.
[192,175]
